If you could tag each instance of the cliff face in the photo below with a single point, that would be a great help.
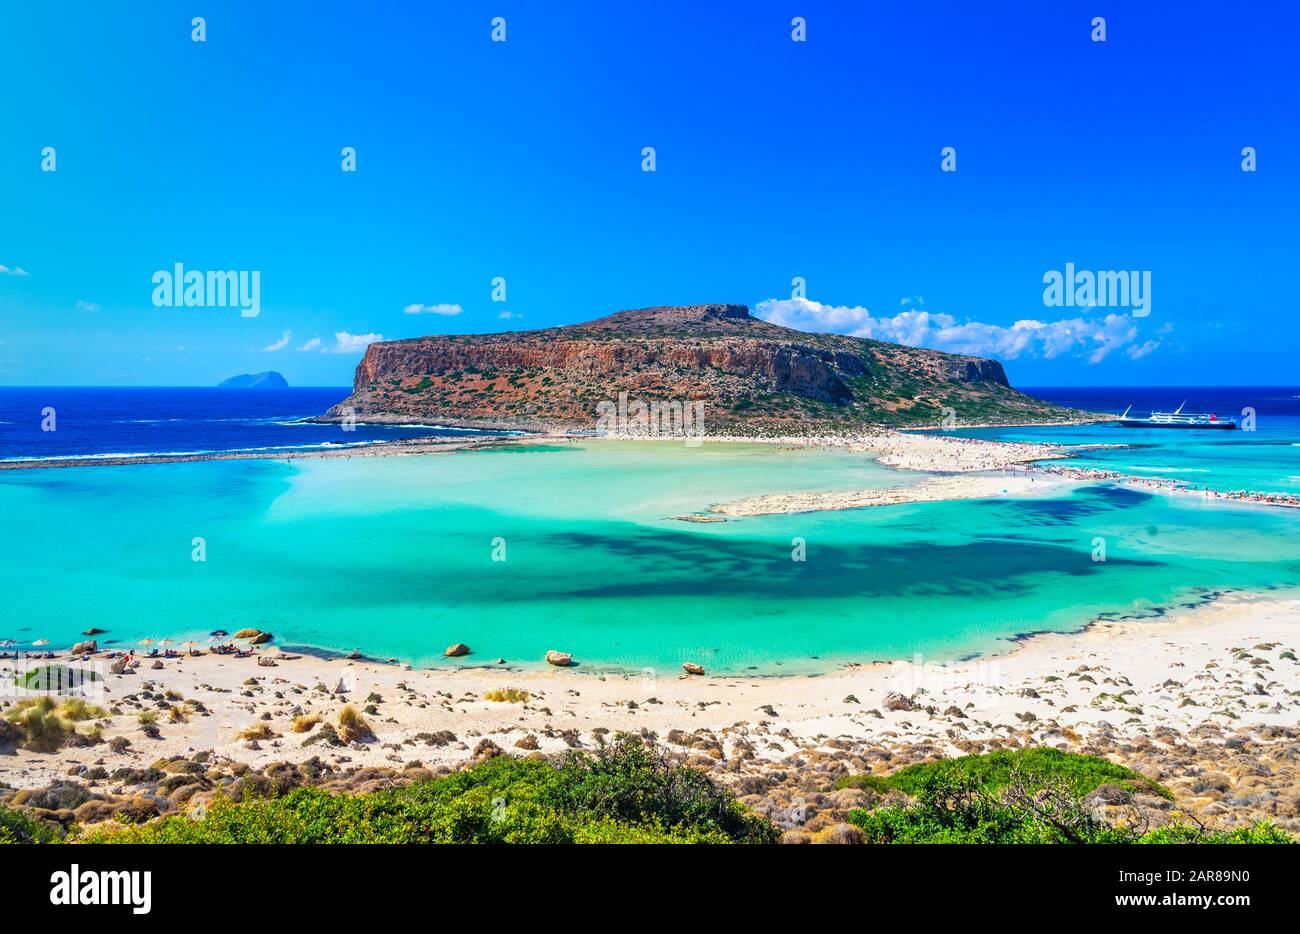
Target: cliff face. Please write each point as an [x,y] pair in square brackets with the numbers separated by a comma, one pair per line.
[747,372]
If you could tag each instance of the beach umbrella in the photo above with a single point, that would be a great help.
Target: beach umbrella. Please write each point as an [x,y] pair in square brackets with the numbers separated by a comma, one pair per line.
[41,642]
[146,642]
[191,645]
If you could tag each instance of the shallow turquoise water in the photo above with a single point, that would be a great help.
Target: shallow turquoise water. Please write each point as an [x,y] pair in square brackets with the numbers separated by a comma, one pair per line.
[395,556]
[1265,458]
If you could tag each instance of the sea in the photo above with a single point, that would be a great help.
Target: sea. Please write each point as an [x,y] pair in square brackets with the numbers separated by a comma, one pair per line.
[66,423]
[535,546]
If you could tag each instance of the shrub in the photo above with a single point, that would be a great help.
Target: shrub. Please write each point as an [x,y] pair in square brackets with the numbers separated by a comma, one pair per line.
[1260,832]
[954,809]
[257,731]
[621,794]
[46,725]
[953,806]
[304,722]
[1034,768]
[507,695]
[75,709]
[353,727]
[17,827]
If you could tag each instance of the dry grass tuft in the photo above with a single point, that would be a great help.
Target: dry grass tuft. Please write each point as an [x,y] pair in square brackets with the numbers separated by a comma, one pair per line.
[507,695]
[304,722]
[258,731]
[353,727]
[47,725]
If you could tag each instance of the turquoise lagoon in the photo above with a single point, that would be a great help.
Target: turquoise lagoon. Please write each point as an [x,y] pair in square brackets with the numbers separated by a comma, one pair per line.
[394,556]
[1265,458]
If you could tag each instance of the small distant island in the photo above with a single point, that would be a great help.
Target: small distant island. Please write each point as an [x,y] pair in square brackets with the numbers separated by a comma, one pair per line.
[268,380]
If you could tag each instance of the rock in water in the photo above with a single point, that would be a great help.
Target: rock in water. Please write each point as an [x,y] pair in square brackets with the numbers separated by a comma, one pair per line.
[456,650]
[262,637]
[693,669]
[246,633]
[559,659]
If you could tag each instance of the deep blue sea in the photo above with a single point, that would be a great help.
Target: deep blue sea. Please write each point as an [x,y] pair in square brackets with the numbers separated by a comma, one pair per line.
[107,422]
[111,422]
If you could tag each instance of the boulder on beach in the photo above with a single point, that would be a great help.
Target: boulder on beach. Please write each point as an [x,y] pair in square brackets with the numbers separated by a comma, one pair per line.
[266,662]
[456,650]
[89,647]
[692,669]
[247,633]
[896,701]
[559,659]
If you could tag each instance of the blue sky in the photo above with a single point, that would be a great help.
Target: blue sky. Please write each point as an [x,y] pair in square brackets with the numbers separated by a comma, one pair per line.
[774,159]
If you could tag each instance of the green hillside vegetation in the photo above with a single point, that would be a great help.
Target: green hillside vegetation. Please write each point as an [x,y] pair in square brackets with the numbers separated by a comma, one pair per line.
[623,793]
[1035,768]
[628,793]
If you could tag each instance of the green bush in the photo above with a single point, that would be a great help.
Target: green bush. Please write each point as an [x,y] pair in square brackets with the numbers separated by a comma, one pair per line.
[1261,832]
[952,809]
[620,794]
[1034,768]
[952,806]
[17,827]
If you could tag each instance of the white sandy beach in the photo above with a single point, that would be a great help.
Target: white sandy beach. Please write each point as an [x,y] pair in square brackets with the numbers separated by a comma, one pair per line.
[1220,667]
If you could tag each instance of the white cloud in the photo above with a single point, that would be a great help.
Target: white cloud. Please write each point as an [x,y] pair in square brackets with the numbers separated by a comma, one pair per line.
[1138,351]
[1093,338]
[352,343]
[509,315]
[87,306]
[311,344]
[441,309]
[282,343]
[12,270]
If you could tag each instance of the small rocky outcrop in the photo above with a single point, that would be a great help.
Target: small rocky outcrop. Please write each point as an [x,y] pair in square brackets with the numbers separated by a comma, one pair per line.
[896,701]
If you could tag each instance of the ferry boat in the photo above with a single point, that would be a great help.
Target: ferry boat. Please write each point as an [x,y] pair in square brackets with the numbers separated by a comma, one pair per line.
[1177,419]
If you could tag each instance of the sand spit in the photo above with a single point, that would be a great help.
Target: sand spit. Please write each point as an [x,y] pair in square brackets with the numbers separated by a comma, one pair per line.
[933,489]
